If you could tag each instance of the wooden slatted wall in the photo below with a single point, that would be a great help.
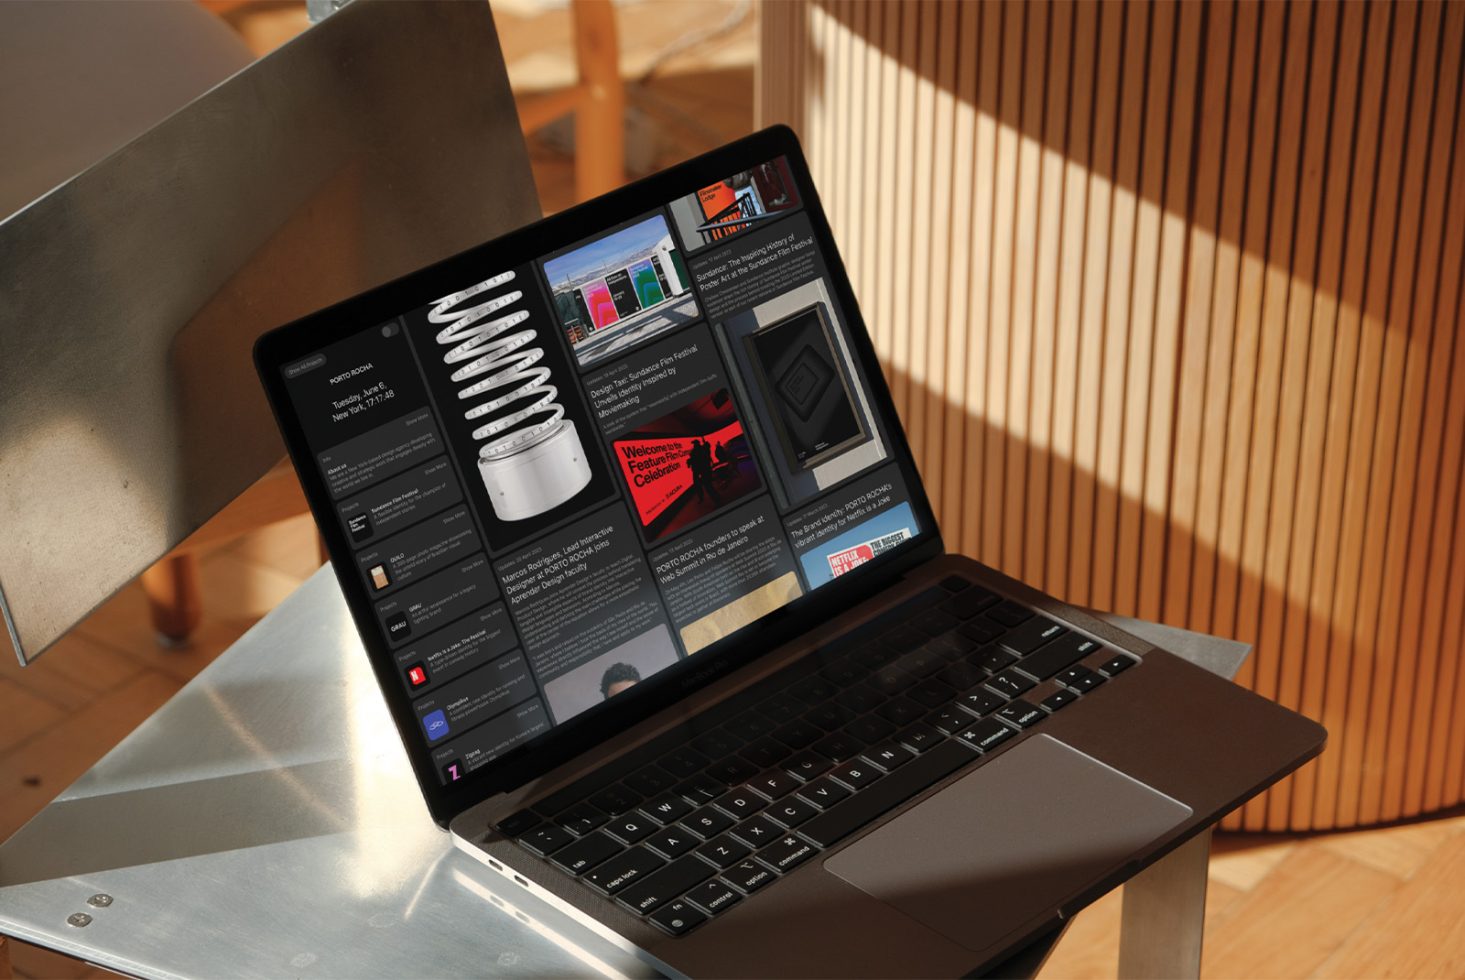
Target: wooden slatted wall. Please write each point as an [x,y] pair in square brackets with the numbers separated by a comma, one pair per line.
[1169,296]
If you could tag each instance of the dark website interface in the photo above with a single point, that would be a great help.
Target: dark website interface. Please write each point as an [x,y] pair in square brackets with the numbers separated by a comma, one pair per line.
[577,471]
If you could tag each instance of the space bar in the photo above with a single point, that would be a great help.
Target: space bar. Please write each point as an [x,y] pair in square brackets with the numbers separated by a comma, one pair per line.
[887,793]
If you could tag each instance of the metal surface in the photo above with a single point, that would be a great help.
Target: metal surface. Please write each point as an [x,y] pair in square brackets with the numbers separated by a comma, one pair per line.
[265,822]
[380,141]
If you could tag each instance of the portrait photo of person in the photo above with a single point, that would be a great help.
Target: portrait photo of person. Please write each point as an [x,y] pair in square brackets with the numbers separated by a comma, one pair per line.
[617,678]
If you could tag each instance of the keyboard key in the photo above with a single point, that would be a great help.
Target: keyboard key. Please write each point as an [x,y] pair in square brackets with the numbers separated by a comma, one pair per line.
[740,802]
[931,693]
[651,781]
[545,840]
[724,851]
[1080,678]
[679,917]
[1056,656]
[781,708]
[673,841]
[918,737]
[861,698]
[951,646]
[954,583]
[921,662]
[774,783]
[683,762]
[814,690]
[714,897]
[987,734]
[903,638]
[901,712]
[765,752]
[630,828]
[962,675]
[667,810]
[1117,664]
[732,770]
[982,630]
[844,672]
[1010,683]
[791,811]
[799,734]
[981,701]
[889,756]
[934,621]
[1059,699]
[838,822]
[873,656]
[515,824]
[617,799]
[1022,714]
[829,716]
[718,743]
[1033,634]
[870,728]
[807,765]
[1010,614]
[748,875]
[994,659]
[756,831]
[586,853]
[582,819]
[623,870]
[824,793]
[969,602]
[839,746]
[657,889]
[891,680]
[707,822]
[786,853]
[856,775]
[700,789]
[950,720]
[750,725]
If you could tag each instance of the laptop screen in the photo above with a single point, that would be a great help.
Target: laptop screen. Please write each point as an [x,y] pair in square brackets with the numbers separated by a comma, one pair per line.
[566,472]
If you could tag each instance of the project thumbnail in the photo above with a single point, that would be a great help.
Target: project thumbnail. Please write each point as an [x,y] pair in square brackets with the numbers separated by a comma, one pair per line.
[612,673]
[687,464]
[861,543]
[804,383]
[735,204]
[620,289]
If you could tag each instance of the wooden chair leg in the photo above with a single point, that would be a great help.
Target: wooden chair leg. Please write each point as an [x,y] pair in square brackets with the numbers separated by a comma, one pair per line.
[600,120]
[173,595]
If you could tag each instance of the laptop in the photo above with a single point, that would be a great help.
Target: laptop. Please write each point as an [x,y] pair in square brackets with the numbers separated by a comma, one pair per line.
[638,551]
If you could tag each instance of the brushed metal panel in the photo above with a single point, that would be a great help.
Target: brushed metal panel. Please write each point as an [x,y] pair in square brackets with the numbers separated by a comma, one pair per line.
[377,142]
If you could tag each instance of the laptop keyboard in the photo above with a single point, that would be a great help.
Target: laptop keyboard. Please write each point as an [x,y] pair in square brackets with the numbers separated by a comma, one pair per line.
[703,816]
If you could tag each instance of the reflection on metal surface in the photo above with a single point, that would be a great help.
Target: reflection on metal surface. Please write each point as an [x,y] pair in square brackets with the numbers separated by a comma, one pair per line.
[295,837]
[375,143]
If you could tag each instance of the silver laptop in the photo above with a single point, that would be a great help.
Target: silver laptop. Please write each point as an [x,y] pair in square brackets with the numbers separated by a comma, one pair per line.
[639,553]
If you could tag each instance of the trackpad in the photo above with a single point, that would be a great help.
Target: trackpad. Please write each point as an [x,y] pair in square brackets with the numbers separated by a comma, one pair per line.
[1024,832]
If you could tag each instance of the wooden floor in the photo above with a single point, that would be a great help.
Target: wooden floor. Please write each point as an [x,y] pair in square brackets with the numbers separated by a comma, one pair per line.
[1376,903]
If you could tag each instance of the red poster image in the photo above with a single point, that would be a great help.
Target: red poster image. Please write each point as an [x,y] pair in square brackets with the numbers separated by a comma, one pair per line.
[687,464]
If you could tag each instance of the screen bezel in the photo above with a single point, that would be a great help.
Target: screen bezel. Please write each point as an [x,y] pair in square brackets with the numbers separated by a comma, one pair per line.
[302,337]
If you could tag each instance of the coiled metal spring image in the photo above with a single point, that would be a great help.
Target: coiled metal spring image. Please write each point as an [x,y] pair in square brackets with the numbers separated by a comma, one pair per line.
[531,459]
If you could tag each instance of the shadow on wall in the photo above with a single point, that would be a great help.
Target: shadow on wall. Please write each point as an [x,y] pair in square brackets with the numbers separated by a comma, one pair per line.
[1167,297]
[1314,797]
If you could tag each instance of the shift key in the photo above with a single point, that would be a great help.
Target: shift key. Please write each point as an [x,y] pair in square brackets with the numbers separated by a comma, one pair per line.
[885,794]
[649,894]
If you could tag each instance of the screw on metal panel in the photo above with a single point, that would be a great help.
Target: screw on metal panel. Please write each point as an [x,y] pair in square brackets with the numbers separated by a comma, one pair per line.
[78,919]
[100,900]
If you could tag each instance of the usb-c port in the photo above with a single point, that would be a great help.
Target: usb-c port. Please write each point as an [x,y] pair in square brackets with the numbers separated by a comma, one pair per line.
[495,865]
[521,881]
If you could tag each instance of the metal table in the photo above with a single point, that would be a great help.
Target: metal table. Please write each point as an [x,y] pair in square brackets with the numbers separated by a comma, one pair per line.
[265,822]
